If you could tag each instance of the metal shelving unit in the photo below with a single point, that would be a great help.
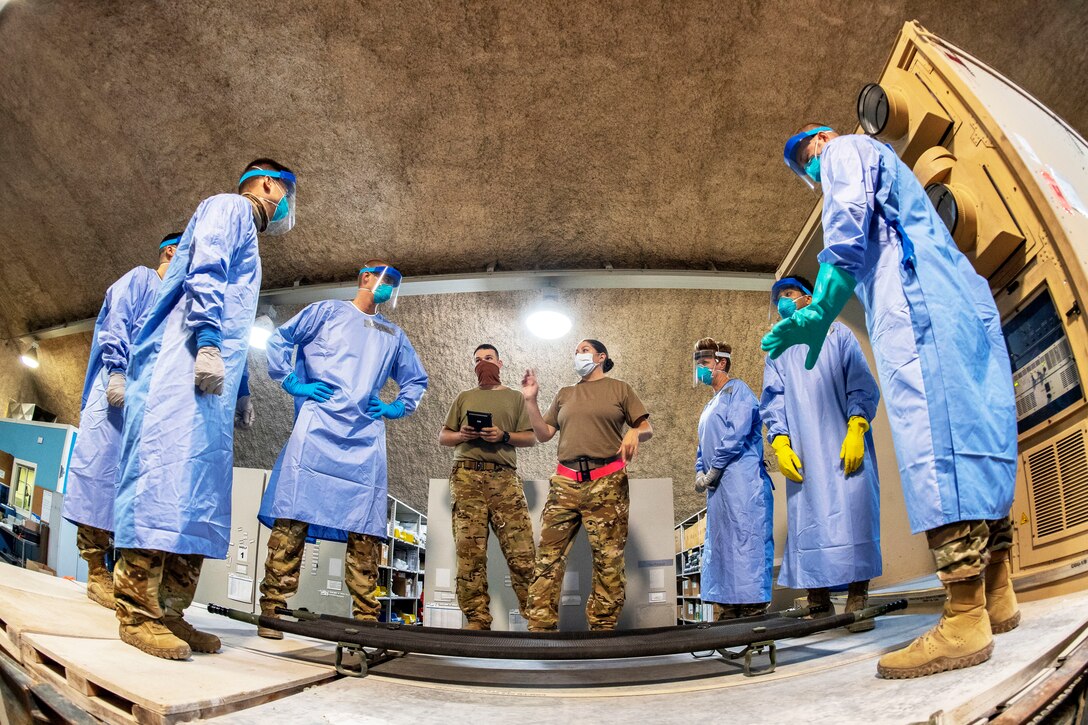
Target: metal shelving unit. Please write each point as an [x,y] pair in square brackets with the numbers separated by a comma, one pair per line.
[689,536]
[403,561]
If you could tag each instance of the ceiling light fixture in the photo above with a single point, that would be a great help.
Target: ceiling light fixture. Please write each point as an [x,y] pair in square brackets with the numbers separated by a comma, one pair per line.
[262,330]
[548,319]
[30,357]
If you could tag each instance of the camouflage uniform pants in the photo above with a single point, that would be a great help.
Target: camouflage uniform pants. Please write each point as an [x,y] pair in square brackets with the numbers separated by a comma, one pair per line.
[284,564]
[151,584]
[480,499]
[93,543]
[602,506]
[962,549]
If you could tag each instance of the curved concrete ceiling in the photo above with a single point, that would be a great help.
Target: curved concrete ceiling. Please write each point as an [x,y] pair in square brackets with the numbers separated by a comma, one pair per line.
[448,135]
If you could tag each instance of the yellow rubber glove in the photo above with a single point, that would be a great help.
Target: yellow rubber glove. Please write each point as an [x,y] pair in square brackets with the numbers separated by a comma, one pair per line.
[788,462]
[853,445]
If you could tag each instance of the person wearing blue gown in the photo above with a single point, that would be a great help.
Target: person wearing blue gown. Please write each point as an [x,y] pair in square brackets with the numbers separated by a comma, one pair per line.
[818,425]
[92,472]
[174,493]
[946,377]
[329,481]
[738,550]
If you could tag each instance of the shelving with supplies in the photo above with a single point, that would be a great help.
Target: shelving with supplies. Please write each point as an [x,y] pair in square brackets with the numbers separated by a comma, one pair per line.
[689,536]
[403,561]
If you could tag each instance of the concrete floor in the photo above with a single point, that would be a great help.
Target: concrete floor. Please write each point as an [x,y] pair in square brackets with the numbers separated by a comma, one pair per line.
[828,678]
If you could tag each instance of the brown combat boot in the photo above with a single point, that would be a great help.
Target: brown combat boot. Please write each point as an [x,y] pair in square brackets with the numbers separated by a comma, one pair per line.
[857,597]
[267,632]
[100,584]
[961,638]
[1001,604]
[198,641]
[153,637]
[821,598]
[477,626]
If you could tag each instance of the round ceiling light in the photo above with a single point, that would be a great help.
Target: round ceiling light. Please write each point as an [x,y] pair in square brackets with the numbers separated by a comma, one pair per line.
[548,320]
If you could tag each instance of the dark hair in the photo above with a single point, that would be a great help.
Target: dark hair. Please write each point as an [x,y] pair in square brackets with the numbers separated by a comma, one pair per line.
[261,164]
[486,346]
[171,235]
[709,343]
[600,348]
[802,280]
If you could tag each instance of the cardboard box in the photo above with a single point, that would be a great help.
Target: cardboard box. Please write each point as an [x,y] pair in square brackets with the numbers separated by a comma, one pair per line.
[678,536]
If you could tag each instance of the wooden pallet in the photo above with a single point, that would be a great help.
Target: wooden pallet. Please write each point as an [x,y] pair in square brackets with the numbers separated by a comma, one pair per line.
[22,612]
[119,684]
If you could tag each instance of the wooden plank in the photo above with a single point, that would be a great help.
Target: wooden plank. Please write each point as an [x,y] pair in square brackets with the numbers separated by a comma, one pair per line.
[16,577]
[22,612]
[112,675]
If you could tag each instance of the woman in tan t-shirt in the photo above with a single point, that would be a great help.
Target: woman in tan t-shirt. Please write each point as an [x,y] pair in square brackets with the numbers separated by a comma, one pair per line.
[590,484]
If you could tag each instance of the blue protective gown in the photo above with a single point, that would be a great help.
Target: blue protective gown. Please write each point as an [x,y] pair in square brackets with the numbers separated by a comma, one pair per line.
[332,471]
[834,520]
[738,553]
[935,333]
[178,451]
[92,472]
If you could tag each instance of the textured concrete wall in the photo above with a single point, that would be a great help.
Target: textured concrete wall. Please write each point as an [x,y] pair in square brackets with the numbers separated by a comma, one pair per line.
[450,135]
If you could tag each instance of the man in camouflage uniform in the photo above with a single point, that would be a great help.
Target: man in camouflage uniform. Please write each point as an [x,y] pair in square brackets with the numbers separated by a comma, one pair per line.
[602,506]
[486,490]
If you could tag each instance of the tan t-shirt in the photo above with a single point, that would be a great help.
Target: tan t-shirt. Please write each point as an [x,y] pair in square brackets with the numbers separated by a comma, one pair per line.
[508,413]
[590,417]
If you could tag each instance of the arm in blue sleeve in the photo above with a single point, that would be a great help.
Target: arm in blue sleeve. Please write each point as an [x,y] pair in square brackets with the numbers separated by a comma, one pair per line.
[243,388]
[733,419]
[126,301]
[410,376]
[862,392]
[772,403]
[299,330]
[216,233]
[699,459]
[850,169]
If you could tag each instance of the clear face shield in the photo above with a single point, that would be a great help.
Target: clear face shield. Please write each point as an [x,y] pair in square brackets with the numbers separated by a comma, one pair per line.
[282,219]
[794,155]
[387,289]
[784,302]
[702,366]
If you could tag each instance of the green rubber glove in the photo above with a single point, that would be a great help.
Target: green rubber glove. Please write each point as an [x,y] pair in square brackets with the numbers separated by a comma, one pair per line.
[809,325]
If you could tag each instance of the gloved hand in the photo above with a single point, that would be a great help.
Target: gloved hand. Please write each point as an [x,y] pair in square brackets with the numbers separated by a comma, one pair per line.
[853,445]
[318,390]
[708,480]
[115,390]
[379,409]
[209,370]
[788,462]
[809,325]
[243,413]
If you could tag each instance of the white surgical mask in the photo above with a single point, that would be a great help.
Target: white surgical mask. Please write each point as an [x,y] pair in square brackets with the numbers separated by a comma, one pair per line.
[583,364]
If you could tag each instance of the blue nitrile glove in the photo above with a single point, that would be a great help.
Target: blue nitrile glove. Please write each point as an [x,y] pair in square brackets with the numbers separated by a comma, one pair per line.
[379,409]
[809,325]
[317,390]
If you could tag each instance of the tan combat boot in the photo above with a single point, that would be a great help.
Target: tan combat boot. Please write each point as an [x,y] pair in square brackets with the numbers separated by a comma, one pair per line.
[267,632]
[477,626]
[961,638]
[198,641]
[821,598]
[1001,604]
[155,639]
[100,584]
[857,598]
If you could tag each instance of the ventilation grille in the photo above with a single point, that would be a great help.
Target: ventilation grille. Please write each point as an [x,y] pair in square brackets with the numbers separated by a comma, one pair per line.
[1058,483]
